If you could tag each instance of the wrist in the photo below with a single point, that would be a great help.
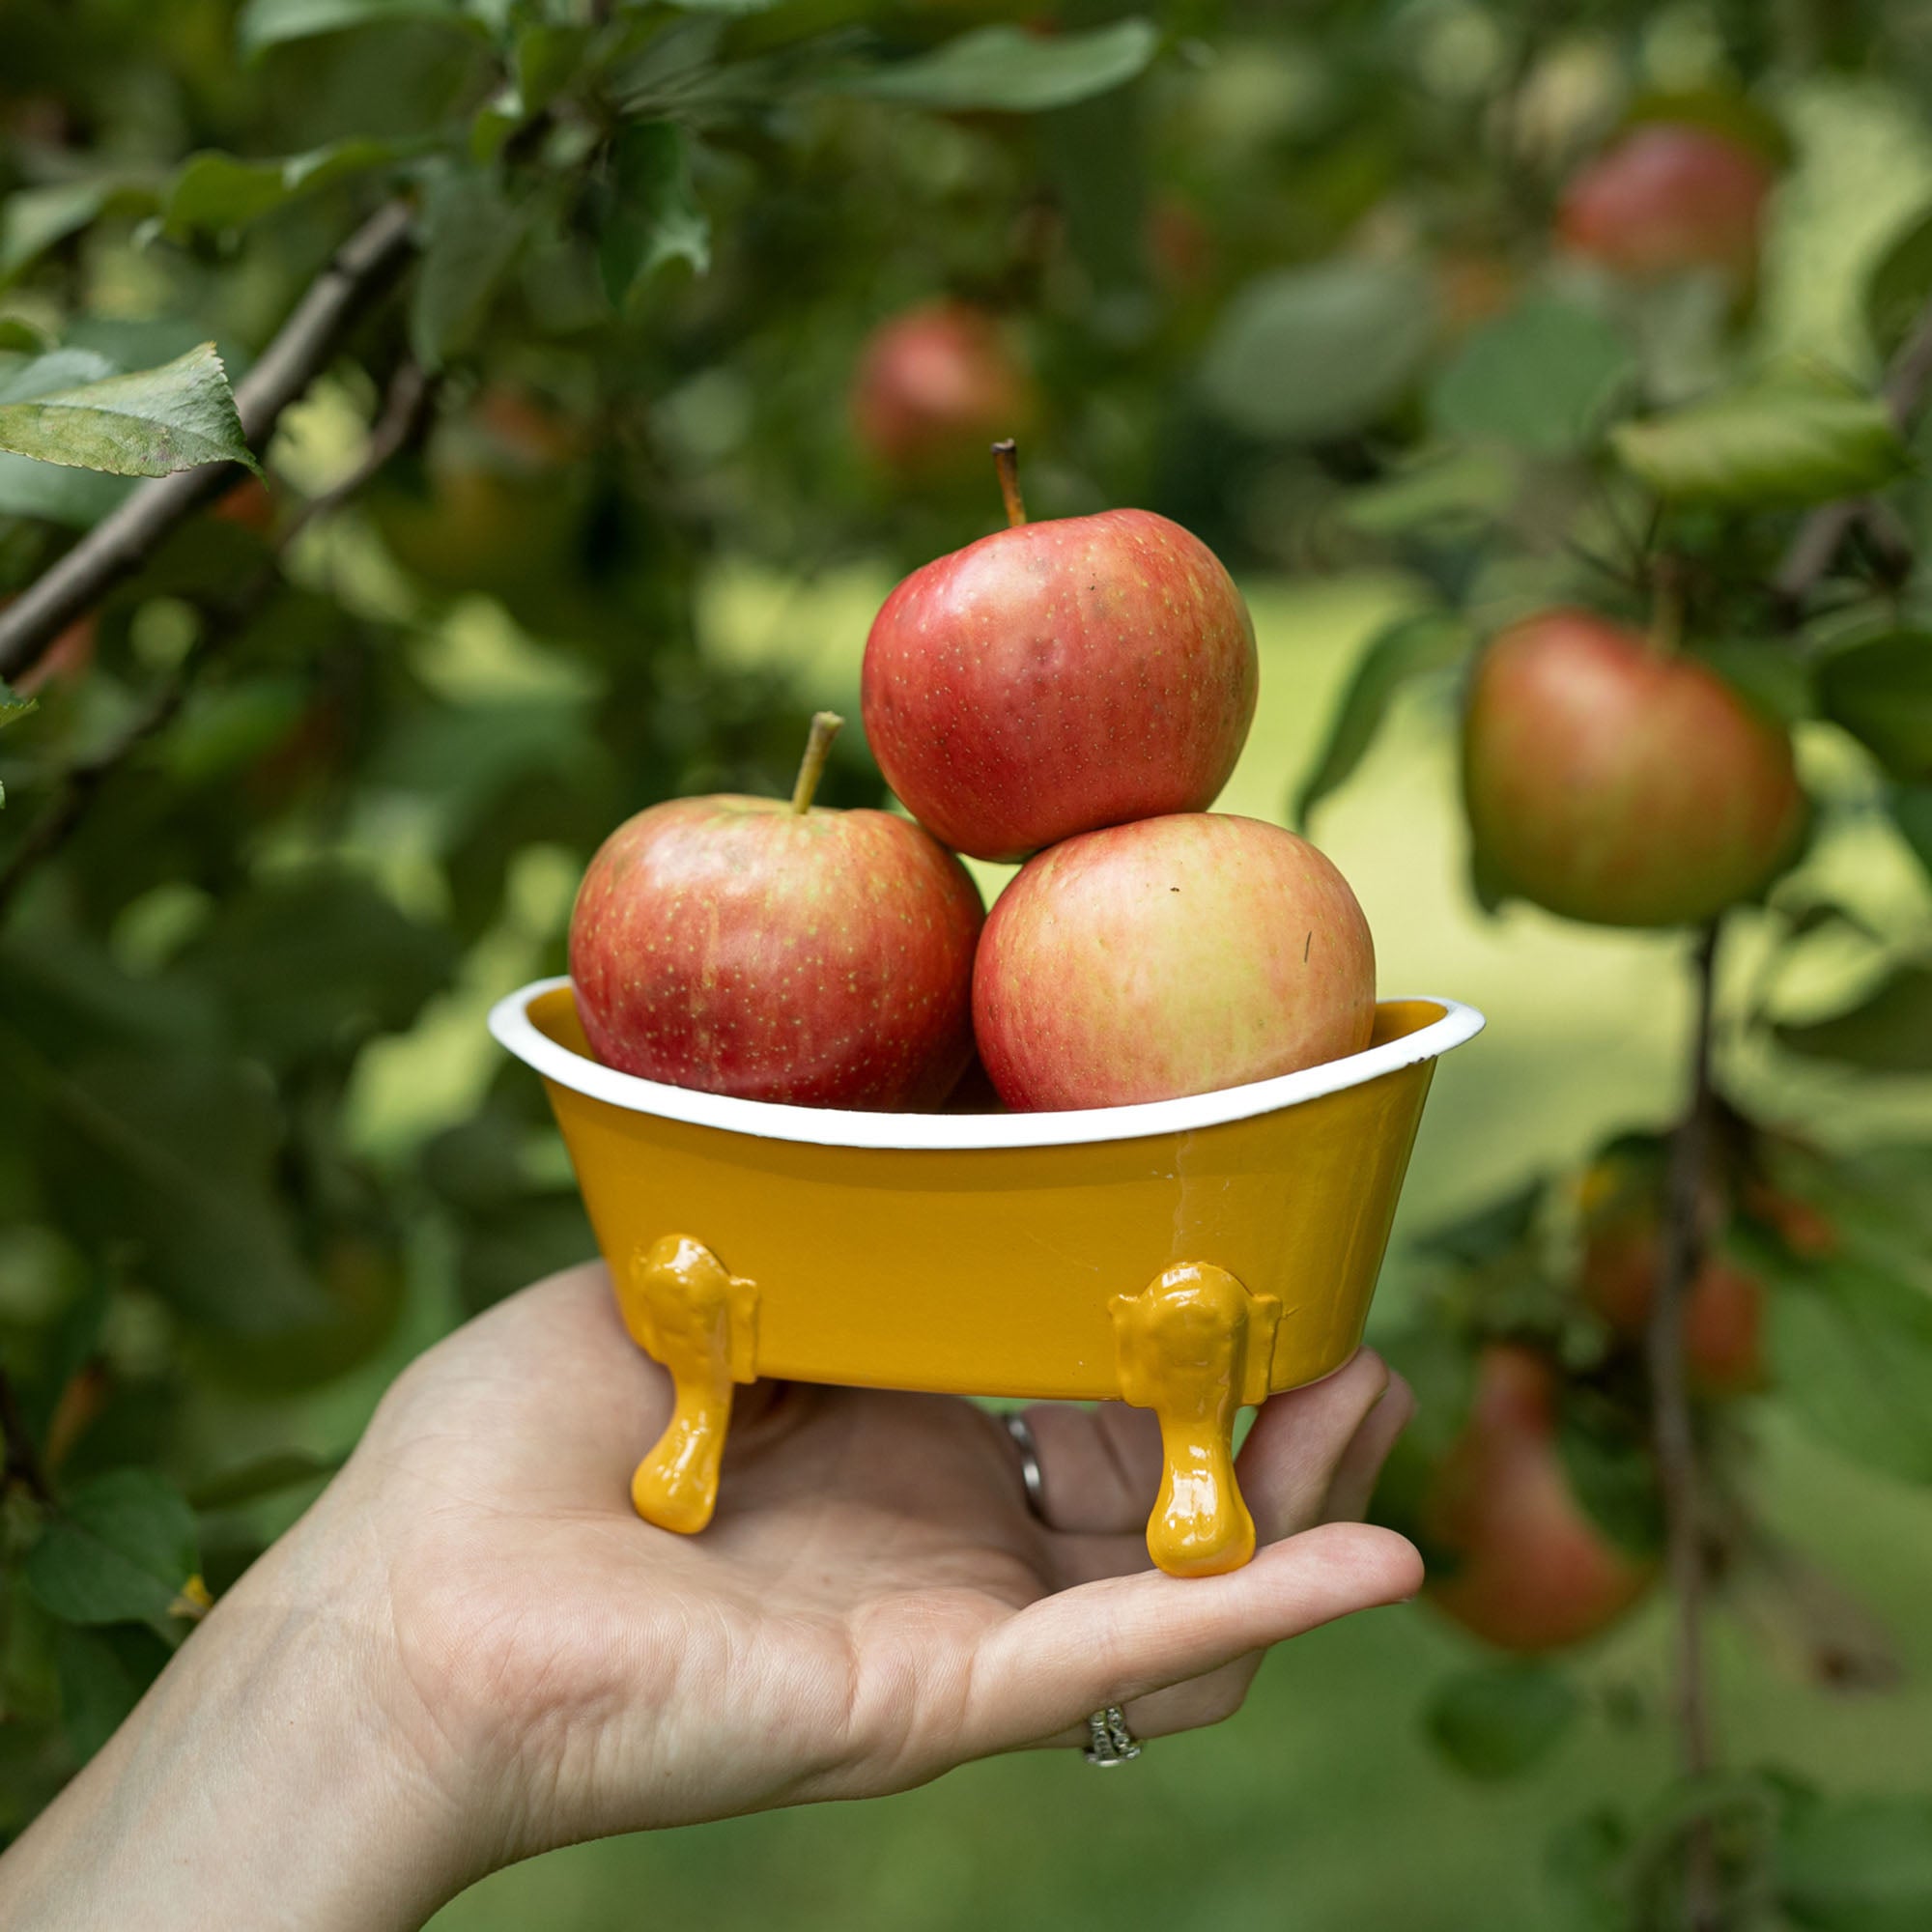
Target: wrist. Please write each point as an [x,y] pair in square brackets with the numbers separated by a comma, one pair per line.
[265,1782]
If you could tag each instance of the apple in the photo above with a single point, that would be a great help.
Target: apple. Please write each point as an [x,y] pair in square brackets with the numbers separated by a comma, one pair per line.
[933,387]
[1531,1570]
[1723,1306]
[501,505]
[1171,955]
[775,950]
[1059,677]
[1666,198]
[1611,781]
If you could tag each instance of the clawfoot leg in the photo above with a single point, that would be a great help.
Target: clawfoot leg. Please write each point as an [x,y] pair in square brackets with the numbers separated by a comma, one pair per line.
[687,1311]
[1193,1346]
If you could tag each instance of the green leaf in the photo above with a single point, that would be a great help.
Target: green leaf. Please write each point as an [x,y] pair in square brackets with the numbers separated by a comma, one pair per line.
[20,336]
[58,369]
[35,218]
[77,498]
[648,213]
[265,1476]
[1890,1031]
[1609,1465]
[1498,1722]
[1488,1232]
[1316,352]
[1428,641]
[268,23]
[216,190]
[1851,1347]
[1912,813]
[318,963]
[1775,443]
[1857,1864]
[121,1550]
[1900,288]
[470,236]
[147,424]
[12,708]
[1006,70]
[103,1673]
[173,1161]
[1778,681]
[1466,486]
[1540,379]
[1881,691]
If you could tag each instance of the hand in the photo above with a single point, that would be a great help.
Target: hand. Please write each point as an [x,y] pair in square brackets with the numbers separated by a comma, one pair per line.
[872,1606]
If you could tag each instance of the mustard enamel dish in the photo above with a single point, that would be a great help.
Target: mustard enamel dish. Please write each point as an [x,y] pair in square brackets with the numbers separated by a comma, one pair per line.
[1188,1256]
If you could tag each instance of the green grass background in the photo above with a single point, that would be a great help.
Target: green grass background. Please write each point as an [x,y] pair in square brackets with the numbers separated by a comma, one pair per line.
[1322,1805]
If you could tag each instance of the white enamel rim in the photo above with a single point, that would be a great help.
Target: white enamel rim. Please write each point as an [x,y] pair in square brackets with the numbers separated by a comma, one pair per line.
[833,1126]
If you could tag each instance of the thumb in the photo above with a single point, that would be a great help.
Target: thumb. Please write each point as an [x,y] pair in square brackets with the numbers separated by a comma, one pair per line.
[1045,1668]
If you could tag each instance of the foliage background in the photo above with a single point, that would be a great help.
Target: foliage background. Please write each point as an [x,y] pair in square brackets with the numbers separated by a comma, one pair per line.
[255,1150]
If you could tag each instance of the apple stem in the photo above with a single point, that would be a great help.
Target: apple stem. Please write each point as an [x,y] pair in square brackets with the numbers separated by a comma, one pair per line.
[811,767]
[1007,461]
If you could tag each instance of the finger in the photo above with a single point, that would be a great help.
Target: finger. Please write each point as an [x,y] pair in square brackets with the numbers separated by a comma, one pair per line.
[1361,1465]
[1215,1697]
[1042,1672]
[1100,1467]
[1299,1441]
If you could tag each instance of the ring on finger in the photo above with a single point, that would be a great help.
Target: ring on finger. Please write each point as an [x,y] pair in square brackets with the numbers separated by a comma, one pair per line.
[1031,1479]
[1109,1740]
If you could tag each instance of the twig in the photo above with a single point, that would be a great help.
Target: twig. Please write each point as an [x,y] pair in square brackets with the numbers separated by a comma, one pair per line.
[120,543]
[1675,1441]
[22,1460]
[1823,533]
[404,411]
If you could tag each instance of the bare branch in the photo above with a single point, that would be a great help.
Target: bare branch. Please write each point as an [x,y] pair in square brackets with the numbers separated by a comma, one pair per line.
[1679,1476]
[1822,534]
[120,543]
[405,410]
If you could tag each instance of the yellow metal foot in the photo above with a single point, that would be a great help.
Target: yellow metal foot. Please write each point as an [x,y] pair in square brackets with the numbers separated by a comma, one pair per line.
[1193,1346]
[685,1310]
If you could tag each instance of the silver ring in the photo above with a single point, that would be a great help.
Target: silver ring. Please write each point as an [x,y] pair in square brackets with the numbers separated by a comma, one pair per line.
[1021,1431]
[1109,1740]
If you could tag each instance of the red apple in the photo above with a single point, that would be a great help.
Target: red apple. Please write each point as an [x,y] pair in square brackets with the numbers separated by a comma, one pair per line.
[1056,677]
[1666,198]
[1531,1570]
[1610,781]
[762,948]
[1173,955]
[933,387]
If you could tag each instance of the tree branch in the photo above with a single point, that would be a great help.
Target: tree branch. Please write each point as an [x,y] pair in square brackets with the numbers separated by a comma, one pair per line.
[1821,533]
[120,543]
[1674,1439]
[405,410]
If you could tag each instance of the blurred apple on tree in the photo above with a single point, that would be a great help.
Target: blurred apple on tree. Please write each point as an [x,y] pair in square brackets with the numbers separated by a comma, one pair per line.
[1667,197]
[1529,1569]
[934,385]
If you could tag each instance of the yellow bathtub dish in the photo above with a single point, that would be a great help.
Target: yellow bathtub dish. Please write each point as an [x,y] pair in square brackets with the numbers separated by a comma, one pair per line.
[1185,1256]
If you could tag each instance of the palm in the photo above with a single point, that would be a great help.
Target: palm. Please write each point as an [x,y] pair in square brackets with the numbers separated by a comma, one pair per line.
[873,1604]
